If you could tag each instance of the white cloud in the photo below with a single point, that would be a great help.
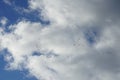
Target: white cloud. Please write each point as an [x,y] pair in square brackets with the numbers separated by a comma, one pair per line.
[3,21]
[65,52]
[66,13]
[7,2]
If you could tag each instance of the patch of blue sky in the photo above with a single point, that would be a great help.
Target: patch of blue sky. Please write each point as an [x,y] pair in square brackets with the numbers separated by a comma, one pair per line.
[15,13]
[92,35]
[8,12]
[12,74]
[20,3]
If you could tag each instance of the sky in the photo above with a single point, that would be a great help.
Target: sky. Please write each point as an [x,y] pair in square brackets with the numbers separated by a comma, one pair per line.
[59,40]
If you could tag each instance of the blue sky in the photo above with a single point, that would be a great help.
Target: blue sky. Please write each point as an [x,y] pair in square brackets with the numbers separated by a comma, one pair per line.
[9,11]
[14,15]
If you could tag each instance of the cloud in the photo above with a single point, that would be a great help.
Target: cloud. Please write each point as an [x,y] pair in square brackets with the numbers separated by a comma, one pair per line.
[80,43]
[7,2]
[3,21]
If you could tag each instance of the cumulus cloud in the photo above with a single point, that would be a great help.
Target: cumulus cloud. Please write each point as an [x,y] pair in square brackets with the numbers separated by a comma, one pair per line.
[80,43]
